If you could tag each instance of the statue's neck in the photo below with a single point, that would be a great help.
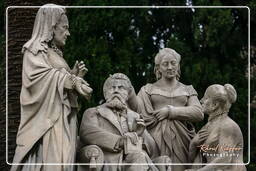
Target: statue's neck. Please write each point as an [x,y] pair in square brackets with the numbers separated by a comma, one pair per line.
[56,49]
[213,116]
[168,82]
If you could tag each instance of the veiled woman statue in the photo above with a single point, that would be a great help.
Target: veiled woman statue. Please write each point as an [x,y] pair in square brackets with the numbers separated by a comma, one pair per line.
[220,140]
[168,108]
[48,130]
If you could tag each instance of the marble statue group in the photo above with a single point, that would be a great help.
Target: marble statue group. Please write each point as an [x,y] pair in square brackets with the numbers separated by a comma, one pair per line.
[149,131]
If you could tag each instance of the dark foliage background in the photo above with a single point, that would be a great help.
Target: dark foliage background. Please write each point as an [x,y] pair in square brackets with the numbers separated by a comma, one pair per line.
[213,44]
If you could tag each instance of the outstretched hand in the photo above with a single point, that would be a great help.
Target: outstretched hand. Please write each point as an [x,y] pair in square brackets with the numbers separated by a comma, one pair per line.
[82,87]
[87,91]
[82,70]
[79,69]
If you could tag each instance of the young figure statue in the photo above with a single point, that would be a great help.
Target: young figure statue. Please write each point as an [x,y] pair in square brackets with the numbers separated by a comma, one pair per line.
[48,131]
[220,140]
[117,130]
[168,108]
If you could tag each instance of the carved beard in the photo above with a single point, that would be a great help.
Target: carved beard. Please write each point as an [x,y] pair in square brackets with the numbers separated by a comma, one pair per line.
[117,102]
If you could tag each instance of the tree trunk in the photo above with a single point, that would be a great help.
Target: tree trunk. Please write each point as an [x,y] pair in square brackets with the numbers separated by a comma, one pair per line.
[20,25]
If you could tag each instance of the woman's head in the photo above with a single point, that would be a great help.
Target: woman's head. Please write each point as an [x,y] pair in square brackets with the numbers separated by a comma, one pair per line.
[167,64]
[60,31]
[218,98]
[50,19]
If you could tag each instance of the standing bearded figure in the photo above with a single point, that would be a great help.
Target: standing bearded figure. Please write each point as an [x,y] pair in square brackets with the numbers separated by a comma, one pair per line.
[114,127]
[48,131]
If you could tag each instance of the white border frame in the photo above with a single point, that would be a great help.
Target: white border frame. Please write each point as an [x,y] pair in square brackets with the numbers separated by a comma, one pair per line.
[131,7]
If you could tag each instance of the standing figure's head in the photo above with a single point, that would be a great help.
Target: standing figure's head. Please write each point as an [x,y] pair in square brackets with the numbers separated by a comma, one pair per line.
[218,99]
[167,64]
[116,89]
[50,27]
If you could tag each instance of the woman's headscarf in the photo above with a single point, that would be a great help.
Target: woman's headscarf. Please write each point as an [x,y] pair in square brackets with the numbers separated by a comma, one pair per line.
[47,18]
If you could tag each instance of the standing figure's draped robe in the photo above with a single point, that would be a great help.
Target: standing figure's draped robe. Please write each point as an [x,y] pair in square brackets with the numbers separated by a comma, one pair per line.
[47,131]
[172,135]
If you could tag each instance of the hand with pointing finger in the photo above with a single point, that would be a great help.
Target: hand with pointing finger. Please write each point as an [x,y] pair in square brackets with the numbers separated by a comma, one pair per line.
[79,69]
[82,70]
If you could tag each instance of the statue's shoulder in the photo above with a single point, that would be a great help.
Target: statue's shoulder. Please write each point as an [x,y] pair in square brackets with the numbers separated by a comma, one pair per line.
[91,111]
[147,88]
[89,115]
[30,54]
[189,89]
[101,107]
[230,125]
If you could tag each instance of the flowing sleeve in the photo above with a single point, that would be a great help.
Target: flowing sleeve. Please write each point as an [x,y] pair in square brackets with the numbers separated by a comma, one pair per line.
[42,99]
[192,111]
[145,106]
[42,96]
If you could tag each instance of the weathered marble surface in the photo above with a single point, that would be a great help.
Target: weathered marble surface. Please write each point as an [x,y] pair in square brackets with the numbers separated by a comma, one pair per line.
[168,108]
[48,131]
[119,131]
[152,127]
[220,140]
